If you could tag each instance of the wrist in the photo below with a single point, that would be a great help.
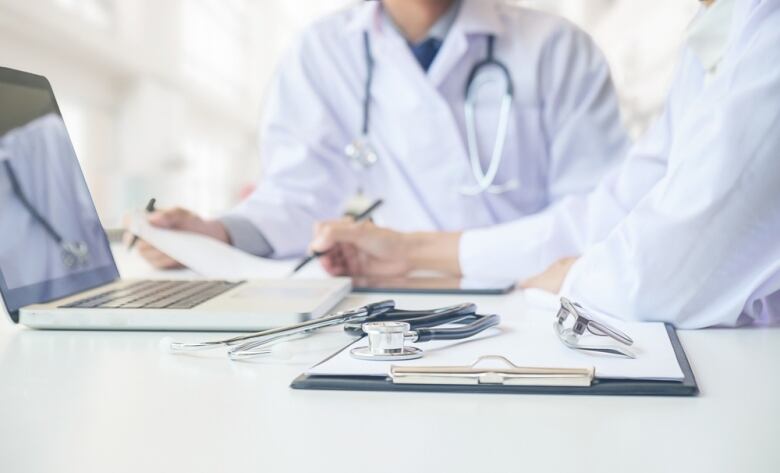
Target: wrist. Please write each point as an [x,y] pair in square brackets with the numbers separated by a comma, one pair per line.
[432,251]
[215,229]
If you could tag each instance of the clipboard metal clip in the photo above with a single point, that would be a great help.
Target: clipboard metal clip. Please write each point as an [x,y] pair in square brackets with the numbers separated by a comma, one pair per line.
[508,375]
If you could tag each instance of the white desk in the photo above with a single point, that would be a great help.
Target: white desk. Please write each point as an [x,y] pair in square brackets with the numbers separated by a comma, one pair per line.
[112,402]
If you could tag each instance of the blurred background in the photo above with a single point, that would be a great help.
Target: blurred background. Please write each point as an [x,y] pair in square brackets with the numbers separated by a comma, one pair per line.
[163,98]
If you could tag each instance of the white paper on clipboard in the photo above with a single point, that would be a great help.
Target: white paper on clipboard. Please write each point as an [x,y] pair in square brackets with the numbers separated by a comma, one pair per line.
[530,342]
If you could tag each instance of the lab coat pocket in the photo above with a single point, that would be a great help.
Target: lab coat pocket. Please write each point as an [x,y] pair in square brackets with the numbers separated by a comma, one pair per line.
[419,136]
[523,159]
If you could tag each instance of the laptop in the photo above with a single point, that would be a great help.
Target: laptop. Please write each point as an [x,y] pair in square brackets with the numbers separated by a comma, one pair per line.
[56,266]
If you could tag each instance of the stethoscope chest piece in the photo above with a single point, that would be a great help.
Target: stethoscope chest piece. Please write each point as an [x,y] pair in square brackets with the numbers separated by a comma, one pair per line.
[386,342]
[360,153]
[75,254]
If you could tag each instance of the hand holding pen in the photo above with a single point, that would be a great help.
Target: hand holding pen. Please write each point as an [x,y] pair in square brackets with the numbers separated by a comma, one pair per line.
[358,218]
[364,249]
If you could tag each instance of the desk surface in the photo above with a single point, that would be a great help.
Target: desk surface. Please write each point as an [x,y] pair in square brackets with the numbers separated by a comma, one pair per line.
[111,401]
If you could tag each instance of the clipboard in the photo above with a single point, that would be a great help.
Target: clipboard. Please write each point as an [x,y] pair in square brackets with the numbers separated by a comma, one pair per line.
[595,386]
[430,285]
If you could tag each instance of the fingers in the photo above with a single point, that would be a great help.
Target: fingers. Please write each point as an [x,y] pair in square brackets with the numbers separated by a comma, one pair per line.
[127,238]
[328,234]
[155,257]
[175,218]
[364,248]
[552,278]
[370,266]
[337,240]
[182,219]
[352,260]
[346,259]
[333,262]
[364,235]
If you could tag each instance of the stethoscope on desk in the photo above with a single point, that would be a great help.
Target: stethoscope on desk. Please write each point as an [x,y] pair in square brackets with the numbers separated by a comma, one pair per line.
[75,254]
[388,330]
[361,153]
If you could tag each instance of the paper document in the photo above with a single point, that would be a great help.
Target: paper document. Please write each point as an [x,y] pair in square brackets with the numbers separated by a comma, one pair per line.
[530,342]
[212,258]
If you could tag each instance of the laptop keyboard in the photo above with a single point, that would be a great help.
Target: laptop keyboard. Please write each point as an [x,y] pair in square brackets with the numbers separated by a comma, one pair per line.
[156,295]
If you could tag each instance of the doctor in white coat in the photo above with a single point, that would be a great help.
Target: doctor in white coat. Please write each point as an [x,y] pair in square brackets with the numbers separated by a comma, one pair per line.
[38,165]
[686,230]
[563,130]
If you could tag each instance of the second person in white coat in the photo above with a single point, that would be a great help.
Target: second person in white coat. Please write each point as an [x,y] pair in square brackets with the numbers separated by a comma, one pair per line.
[563,128]
[686,230]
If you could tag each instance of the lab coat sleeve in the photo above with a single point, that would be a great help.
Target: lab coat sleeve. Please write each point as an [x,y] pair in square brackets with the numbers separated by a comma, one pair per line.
[306,178]
[527,246]
[706,236]
[246,236]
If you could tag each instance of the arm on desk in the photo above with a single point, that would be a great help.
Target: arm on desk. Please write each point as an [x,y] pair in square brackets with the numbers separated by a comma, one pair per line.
[362,248]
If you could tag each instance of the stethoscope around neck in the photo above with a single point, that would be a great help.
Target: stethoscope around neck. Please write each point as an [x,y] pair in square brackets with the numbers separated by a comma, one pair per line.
[362,154]
[75,254]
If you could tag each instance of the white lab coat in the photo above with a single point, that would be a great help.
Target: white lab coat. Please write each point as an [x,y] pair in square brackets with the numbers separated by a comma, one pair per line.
[687,230]
[564,132]
[48,172]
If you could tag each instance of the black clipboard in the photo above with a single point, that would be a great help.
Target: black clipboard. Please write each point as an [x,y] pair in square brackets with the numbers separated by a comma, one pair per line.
[607,387]
[430,285]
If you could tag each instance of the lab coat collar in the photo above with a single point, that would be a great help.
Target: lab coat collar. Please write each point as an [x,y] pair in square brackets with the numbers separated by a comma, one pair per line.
[367,17]
[439,29]
[709,33]
[479,17]
[474,16]
[443,25]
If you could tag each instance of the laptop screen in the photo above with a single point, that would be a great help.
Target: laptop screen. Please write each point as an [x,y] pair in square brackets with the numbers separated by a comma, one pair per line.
[52,244]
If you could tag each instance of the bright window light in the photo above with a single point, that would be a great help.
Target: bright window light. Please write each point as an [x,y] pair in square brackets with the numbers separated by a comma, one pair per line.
[214,45]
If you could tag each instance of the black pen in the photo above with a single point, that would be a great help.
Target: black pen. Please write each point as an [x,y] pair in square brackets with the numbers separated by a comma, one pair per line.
[149,208]
[361,216]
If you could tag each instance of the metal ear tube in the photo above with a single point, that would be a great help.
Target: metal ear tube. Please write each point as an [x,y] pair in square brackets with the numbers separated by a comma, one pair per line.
[386,328]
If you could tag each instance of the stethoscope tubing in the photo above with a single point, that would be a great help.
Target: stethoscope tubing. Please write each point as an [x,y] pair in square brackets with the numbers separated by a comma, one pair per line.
[482,323]
[423,322]
[418,318]
[369,79]
[490,60]
[74,253]
[19,193]
[484,179]
[253,340]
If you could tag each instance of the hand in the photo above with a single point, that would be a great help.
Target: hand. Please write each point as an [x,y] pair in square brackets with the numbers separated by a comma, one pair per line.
[178,219]
[360,248]
[552,278]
